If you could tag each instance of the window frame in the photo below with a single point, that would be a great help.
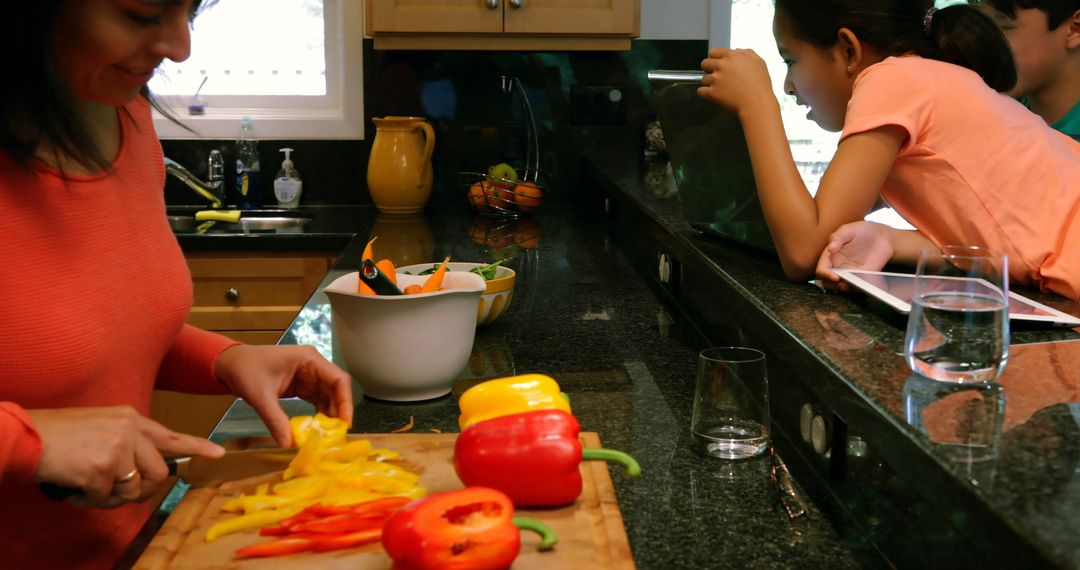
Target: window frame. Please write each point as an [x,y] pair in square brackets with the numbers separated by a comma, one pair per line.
[337,115]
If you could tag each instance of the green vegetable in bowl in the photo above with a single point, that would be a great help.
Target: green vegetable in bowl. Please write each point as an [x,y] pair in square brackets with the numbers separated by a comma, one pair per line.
[486,271]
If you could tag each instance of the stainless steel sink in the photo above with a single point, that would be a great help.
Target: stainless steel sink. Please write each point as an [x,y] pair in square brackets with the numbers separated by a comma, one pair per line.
[187,224]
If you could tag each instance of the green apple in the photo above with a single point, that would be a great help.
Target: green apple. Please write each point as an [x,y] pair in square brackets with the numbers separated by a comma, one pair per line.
[503,170]
[499,192]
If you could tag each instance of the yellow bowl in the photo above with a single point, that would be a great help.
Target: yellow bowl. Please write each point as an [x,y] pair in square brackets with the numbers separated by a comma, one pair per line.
[495,299]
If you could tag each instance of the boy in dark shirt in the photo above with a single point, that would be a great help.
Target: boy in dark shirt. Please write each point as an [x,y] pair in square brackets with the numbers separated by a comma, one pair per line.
[1045,40]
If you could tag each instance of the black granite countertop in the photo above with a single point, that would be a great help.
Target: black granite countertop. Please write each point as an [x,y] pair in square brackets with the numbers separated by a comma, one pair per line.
[928,472]
[582,314]
[909,472]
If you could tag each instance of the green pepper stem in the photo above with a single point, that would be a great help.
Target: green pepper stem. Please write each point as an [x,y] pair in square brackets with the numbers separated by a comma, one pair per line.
[548,538]
[599,454]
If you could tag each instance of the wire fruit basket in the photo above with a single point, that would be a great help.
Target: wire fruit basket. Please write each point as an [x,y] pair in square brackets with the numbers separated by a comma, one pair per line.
[503,196]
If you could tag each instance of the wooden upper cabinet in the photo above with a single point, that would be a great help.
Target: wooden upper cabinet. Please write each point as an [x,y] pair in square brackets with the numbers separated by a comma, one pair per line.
[589,17]
[537,25]
[421,16]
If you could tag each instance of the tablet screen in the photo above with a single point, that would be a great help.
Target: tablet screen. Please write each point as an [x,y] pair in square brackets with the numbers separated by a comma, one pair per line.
[896,290]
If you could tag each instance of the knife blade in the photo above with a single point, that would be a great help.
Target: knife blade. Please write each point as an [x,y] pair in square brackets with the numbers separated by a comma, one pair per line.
[202,471]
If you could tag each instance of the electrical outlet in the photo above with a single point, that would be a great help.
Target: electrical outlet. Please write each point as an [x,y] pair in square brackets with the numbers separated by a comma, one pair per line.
[597,104]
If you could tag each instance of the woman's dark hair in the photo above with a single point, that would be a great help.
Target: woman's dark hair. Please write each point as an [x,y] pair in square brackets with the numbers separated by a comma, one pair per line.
[37,107]
[958,34]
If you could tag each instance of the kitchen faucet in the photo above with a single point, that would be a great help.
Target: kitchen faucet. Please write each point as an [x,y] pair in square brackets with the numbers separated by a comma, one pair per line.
[214,188]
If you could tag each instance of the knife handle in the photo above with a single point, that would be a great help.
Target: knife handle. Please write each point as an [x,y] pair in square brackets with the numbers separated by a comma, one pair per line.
[60,492]
[379,283]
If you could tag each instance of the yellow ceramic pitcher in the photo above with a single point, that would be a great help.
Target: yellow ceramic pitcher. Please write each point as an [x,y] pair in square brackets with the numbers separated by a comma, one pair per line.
[399,168]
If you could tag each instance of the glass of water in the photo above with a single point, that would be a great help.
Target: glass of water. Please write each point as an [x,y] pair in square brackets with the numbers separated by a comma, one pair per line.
[730,418]
[958,329]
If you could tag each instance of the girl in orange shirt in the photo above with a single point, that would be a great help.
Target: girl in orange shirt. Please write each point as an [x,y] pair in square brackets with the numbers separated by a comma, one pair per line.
[918,95]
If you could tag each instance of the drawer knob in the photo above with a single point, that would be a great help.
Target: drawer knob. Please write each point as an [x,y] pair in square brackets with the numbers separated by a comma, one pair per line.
[517,4]
[232,294]
[492,4]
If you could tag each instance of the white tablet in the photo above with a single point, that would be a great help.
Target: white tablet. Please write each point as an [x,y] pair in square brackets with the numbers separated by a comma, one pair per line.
[895,290]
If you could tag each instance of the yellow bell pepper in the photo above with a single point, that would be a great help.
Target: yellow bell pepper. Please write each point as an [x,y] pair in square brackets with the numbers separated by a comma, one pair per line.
[512,395]
[245,522]
[331,431]
[248,504]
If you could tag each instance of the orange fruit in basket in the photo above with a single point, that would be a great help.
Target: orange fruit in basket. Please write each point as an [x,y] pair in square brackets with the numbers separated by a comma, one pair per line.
[499,195]
[477,197]
[527,196]
[527,234]
[478,230]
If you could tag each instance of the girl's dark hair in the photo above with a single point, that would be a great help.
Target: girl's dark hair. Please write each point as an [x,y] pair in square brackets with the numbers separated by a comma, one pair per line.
[959,34]
[37,107]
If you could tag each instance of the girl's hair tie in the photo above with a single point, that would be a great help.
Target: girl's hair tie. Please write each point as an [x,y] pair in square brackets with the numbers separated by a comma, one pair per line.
[928,19]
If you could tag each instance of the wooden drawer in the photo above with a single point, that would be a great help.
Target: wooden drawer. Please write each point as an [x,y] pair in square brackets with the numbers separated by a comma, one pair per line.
[237,292]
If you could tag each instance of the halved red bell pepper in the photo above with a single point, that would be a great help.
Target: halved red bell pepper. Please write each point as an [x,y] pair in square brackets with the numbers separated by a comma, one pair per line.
[533,457]
[468,529]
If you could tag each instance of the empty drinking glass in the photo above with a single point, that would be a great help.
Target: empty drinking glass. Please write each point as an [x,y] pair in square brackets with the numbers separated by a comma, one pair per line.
[958,329]
[730,418]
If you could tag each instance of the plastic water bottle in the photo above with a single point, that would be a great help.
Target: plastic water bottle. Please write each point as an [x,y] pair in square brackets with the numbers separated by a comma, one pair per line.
[247,167]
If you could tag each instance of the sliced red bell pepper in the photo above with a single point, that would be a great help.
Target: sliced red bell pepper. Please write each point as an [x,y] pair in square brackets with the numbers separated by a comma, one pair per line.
[348,540]
[533,457]
[338,524]
[279,547]
[467,529]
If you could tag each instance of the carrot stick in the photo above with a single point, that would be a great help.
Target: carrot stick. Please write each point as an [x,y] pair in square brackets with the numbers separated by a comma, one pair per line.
[435,281]
[369,251]
[411,289]
[386,267]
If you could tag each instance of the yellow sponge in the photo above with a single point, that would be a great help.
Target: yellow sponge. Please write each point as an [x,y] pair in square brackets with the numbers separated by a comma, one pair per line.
[230,216]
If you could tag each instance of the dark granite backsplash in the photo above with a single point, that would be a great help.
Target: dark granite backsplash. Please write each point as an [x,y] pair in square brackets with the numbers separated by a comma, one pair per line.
[476,123]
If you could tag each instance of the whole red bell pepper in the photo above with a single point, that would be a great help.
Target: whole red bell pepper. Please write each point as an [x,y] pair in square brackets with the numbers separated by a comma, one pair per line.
[468,529]
[533,457]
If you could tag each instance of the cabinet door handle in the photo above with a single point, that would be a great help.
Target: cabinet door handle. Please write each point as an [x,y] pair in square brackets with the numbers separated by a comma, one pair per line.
[515,4]
[492,4]
[232,294]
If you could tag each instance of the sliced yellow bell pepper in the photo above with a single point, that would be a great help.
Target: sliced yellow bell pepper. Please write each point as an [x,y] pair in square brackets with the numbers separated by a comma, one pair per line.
[351,451]
[254,503]
[330,430]
[512,395]
[246,522]
[327,469]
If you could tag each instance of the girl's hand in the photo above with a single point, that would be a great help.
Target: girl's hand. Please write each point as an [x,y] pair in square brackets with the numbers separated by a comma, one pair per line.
[96,449]
[858,245]
[736,79]
[261,375]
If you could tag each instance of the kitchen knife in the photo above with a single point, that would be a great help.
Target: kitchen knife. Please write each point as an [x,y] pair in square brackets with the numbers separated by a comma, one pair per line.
[379,283]
[203,471]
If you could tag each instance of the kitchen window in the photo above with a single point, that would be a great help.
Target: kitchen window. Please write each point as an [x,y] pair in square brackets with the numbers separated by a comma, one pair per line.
[293,66]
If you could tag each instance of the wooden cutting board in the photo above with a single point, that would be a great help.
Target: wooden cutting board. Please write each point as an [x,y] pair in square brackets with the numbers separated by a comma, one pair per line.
[591,533]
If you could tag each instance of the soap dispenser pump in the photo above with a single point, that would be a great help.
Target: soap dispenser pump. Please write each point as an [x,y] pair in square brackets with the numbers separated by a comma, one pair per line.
[287,184]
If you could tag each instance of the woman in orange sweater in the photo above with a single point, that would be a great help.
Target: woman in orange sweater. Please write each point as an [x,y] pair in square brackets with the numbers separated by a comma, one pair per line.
[94,291]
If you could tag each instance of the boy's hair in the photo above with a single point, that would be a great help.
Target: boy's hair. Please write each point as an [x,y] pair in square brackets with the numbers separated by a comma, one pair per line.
[36,107]
[1057,11]
[959,34]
